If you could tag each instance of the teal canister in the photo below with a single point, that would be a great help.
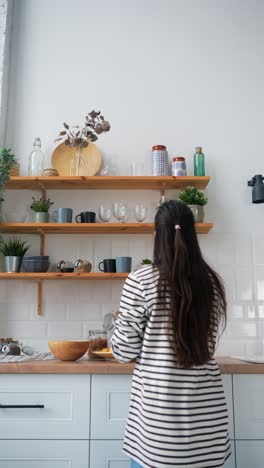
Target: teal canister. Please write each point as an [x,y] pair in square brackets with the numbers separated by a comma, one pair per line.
[199,163]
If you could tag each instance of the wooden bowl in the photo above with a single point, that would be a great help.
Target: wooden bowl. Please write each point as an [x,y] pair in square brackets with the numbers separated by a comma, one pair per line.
[68,350]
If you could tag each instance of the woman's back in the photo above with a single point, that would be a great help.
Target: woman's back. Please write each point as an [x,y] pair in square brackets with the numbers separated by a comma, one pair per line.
[170,315]
[177,417]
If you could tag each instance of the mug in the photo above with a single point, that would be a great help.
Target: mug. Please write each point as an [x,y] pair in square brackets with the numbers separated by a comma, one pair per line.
[109,265]
[123,264]
[86,217]
[63,215]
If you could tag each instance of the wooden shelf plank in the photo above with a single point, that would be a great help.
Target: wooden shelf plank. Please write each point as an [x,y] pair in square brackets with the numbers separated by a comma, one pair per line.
[89,228]
[107,182]
[62,276]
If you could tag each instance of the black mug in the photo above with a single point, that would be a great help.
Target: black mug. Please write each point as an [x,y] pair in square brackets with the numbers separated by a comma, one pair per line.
[109,265]
[86,217]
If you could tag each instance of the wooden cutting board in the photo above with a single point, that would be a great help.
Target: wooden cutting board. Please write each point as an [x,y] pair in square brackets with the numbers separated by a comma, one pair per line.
[63,159]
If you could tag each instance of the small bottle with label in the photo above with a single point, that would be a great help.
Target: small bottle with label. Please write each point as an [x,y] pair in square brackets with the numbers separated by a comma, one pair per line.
[199,163]
[36,159]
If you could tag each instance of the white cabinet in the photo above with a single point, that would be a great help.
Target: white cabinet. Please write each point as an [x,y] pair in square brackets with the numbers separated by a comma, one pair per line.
[227,382]
[44,454]
[108,454]
[250,453]
[249,407]
[48,406]
[230,463]
[110,404]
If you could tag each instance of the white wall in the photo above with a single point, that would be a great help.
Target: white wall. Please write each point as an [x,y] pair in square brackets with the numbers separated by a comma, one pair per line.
[178,72]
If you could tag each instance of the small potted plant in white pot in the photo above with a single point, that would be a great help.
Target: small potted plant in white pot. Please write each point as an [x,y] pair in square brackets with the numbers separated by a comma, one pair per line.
[41,209]
[196,200]
[13,251]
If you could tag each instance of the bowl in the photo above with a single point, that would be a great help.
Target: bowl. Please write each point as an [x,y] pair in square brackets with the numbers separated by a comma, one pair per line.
[35,266]
[68,350]
[36,257]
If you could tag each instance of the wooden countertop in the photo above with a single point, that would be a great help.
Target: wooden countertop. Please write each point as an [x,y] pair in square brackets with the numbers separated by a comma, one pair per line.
[227,366]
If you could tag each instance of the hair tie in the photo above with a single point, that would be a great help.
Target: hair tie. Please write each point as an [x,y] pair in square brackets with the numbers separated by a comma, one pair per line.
[177,226]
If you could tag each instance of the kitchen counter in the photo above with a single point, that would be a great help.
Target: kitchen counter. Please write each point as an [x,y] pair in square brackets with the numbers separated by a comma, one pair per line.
[227,366]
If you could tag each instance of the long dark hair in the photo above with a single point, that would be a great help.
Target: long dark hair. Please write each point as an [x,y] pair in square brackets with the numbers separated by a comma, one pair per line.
[197,295]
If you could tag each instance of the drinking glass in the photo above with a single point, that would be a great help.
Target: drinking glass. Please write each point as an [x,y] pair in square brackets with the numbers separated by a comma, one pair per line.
[141,212]
[120,211]
[105,213]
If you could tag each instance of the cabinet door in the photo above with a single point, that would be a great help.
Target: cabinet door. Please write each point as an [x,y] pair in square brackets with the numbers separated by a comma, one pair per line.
[108,453]
[44,454]
[250,453]
[249,408]
[66,411]
[110,403]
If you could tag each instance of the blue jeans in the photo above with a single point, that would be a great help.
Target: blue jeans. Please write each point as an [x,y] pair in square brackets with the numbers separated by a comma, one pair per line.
[134,464]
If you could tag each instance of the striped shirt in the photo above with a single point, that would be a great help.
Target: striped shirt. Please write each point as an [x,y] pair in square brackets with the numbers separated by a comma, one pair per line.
[177,417]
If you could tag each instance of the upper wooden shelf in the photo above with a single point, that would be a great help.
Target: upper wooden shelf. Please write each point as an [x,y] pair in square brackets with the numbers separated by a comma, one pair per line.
[62,276]
[107,182]
[89,228]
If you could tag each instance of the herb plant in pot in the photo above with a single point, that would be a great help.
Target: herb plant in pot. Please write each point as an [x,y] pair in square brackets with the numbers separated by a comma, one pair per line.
[13,251]
[196,200]
[40,209]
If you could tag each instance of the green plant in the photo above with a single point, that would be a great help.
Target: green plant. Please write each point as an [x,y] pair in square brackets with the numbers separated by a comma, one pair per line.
[94,125]
[41,205]
[146,261]
[7,161]
[193,196]
[14,247]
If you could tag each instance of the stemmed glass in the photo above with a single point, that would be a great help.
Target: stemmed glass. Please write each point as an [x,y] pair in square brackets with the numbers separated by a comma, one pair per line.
[141,212]
[120,211]
[105,213]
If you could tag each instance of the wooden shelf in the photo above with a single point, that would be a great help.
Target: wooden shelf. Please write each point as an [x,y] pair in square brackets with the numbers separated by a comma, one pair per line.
[107,182]
[63,276]
[89,228]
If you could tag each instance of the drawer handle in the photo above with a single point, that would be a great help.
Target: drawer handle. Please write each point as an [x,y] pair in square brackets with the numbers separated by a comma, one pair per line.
[20,406]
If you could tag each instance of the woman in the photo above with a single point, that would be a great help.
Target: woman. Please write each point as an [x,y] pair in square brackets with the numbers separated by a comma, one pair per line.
[171,313]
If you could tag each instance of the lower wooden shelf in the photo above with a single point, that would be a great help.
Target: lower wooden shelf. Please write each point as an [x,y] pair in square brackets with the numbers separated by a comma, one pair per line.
[62,276]
[89,228]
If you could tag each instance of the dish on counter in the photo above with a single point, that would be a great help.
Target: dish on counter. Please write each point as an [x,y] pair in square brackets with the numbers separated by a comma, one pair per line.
[104,353]
[68,350]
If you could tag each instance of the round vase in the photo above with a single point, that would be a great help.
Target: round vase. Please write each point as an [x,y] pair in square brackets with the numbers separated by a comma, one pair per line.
[198,213]
[41,217]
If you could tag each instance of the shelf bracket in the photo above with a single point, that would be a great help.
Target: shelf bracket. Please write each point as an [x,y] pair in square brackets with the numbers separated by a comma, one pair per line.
[40,297]
[163,189]
[42,242]
[42,189]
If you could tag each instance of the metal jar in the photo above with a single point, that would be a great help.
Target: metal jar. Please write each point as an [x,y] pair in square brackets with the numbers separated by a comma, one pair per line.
[12,264]
[198,213]
[41,217]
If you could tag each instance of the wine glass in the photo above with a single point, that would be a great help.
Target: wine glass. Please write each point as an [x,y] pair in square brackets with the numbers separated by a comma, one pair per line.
[141,212]
[105,213]
[120,211]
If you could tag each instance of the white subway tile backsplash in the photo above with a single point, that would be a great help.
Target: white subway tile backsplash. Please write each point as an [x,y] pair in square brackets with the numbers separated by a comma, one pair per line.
[65,330]
[21,330]
[50,313]
[260,282]
[84,312]
[244,281]
[72,308]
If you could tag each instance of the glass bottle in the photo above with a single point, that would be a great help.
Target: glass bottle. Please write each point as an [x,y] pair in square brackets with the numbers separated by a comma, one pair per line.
[199,163]
[36,159]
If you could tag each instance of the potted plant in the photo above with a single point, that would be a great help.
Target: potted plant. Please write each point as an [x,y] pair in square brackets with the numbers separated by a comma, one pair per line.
[146,261]
[41,209]
[196,200]
[13,251]
[79,138]
[7,162]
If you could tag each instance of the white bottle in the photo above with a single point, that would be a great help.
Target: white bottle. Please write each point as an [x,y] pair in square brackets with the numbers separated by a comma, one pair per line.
[36,159]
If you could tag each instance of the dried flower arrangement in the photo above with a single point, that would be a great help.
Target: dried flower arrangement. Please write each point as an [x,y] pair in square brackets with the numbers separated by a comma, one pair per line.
[94,125]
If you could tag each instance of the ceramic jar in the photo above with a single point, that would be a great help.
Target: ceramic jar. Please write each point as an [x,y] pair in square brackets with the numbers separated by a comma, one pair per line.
[159,163]
[179,166]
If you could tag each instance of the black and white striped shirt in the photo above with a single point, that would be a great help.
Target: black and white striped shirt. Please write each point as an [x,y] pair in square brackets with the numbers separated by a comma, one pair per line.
[177,417]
